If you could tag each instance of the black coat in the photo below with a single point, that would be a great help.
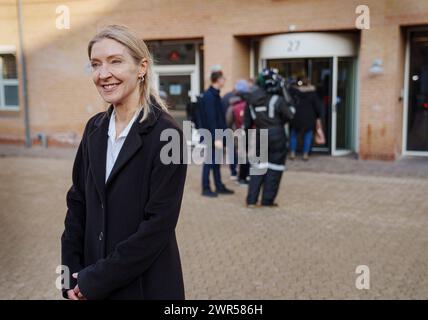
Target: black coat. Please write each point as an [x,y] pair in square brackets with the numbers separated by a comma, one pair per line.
[211,111]
[258,113]
[120,234]
[308,107]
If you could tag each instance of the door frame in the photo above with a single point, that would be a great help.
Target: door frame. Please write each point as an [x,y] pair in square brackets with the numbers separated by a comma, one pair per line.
[406,92]
[353,127]
[333,117]
[179,70]
[313,45]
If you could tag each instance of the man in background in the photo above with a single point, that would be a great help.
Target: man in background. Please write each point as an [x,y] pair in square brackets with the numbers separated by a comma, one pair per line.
[212,117]
[269,110]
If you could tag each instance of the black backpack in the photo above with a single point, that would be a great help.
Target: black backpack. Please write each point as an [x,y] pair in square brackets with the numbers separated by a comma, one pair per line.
[195,110]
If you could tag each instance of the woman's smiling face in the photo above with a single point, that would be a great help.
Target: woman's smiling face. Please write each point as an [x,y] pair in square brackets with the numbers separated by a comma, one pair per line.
[114,71]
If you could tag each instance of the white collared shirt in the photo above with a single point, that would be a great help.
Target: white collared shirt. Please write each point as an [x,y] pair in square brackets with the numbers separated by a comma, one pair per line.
[114,145]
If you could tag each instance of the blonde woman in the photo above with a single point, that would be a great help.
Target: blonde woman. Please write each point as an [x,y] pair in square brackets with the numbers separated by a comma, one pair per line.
[119,240]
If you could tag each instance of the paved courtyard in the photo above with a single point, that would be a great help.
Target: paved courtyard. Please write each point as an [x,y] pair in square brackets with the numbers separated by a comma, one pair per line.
[334,215]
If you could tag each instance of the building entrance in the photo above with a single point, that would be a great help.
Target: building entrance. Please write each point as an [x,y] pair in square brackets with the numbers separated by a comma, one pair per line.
[329,61]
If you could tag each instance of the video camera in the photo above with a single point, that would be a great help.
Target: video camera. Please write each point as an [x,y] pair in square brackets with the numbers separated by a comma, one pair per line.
[274,83]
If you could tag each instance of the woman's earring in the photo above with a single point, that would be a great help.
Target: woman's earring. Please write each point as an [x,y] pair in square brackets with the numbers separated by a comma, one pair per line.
[142,78]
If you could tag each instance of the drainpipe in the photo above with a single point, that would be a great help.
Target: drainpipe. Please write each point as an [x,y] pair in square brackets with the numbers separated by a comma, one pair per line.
[23,75]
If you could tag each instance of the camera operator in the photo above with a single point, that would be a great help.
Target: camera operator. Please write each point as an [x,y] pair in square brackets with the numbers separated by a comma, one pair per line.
[269,107]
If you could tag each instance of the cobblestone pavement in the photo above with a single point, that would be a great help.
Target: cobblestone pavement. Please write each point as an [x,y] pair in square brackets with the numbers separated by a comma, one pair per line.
[327,224]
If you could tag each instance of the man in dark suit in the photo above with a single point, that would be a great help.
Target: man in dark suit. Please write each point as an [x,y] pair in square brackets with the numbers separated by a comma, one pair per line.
[211,118]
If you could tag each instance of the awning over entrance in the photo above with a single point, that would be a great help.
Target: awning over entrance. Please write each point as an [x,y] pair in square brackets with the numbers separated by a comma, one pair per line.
[309,44]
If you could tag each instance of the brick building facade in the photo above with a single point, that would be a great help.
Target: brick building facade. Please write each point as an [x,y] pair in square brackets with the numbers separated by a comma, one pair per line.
[373,82]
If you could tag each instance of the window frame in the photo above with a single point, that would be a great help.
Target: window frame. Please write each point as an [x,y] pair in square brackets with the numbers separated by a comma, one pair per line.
[4,82]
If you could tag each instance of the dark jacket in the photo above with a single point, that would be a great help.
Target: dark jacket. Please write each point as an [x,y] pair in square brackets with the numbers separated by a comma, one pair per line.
[120,234]
[258,113]
[211,111]
[308,107]
[225,101]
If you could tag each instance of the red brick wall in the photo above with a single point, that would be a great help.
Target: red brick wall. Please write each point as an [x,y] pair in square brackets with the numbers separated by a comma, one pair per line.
[62,97]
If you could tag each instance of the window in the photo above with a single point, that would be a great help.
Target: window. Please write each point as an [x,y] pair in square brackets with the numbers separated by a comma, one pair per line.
[8,82]
[172,52]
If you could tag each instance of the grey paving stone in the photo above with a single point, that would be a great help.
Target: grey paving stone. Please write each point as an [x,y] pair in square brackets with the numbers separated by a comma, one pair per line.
[328,223]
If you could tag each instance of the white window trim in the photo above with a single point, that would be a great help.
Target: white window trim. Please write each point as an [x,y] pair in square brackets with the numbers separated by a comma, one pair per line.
[7,49]
[185,70]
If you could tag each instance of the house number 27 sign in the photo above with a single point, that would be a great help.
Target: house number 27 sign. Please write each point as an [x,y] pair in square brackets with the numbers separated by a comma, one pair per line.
[293,45]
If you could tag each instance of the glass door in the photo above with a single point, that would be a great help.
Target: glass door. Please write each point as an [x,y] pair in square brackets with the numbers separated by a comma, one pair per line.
[343,115]
[319,71]
[416,140]
[334,80]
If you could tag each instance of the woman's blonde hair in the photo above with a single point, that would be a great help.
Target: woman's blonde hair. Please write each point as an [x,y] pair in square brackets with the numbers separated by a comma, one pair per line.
[138,50]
